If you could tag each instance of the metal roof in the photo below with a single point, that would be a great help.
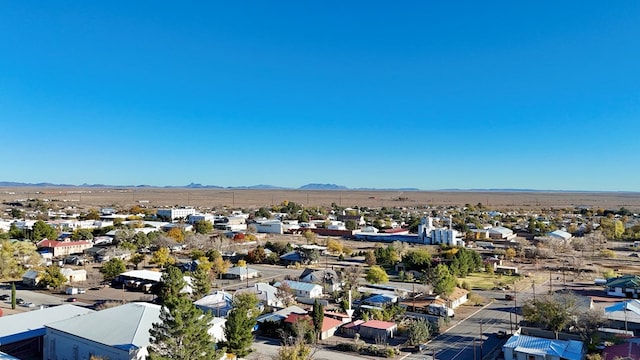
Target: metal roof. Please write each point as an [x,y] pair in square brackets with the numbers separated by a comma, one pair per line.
[241,270]
[31,324]
[531,345]
[299,286]
[123,327]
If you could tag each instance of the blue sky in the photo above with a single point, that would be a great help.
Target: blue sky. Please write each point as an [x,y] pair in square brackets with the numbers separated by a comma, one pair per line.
[432,95]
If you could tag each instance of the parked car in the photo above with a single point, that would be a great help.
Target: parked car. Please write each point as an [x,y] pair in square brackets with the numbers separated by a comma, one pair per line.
[508,297]
[20,301]
[72,299]
[501,334]
[5,297]
[28,304]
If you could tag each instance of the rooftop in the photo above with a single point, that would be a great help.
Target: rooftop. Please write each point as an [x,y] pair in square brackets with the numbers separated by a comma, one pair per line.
[26,325]
[531,345]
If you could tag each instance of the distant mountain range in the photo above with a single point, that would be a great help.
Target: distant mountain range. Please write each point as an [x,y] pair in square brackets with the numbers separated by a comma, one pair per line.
[200,186]
[313,186]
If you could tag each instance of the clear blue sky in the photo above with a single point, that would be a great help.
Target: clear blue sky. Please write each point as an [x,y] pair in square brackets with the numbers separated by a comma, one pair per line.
[425,94]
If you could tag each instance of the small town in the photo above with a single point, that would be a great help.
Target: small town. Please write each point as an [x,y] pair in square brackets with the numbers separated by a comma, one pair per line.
[319,180]
[292,282]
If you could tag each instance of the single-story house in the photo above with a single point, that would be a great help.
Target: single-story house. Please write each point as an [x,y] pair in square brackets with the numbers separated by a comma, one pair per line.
[328,278]
[561,235]
[329,325]
[624,315]
[377,329]
[240,273]
[292,258]
[218,303]
[458,297]
[380,300]
[74,275]
[302,289]
[278,316]
[31,278]
[535,348]
[624,286]
[352,328]
[266,294]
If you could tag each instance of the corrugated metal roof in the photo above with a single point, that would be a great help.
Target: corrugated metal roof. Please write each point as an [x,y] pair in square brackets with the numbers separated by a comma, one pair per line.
[123,327]
[566,349]
[378,324]
[297,285]
[30,324]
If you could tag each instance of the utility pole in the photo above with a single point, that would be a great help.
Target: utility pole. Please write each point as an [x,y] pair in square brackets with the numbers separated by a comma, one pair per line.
[550,284]
[515,304]
[533,286]
[481,340]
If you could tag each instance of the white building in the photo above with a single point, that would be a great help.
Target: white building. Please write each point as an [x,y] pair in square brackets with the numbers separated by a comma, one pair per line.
[174,213]
[270,227]
[74,275]
[194,218]
[302,289]
[119,333]
[429,234]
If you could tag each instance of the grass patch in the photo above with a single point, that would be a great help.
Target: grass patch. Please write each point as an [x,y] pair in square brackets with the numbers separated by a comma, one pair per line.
[485,281]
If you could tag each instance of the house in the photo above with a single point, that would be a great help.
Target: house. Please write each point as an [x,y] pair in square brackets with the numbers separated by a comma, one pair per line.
[269,227]
[218,303]
[534,348]
[624,286]
[21,334]
[72,275]
[329,324]
[292,258]
[561,235]
[458,297]
[63,248]
[352,328]
[377,329]
[268,320]
[31,278]
[327,277]
[501,233]
[302,289]
[380,300]
[627,351]
[266,294]
[624,315]
[146,279]
[123,334]
[240,273]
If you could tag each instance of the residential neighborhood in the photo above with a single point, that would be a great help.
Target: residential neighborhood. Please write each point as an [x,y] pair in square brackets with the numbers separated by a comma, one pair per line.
[386,282]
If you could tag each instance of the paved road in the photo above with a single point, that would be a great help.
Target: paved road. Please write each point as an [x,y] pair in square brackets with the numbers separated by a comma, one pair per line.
[466,340]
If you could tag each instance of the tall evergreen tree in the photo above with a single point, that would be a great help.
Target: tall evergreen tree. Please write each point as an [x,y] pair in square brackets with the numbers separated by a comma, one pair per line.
[182,333]
[240,322]
[318,317]
[171,284]
[201,284]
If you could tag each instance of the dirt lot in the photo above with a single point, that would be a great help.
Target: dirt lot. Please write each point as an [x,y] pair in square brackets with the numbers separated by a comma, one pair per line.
[213,198]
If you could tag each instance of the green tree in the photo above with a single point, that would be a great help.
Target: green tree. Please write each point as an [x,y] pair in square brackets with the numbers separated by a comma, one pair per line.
[240,323]
[16,213]
[442,281]
[182,333]
[417,259]
[136,259]
[52,278]
[317,315]
[112,268]
[351,225]
[203,226]
[553,312]
[141,240]
[15,232]
[42,230]
[377,275]
[418,332]
[171,284]
[201,284]
[82,234]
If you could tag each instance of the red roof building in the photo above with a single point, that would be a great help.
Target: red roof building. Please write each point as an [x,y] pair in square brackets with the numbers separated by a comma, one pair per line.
[376,329]
[64,248]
